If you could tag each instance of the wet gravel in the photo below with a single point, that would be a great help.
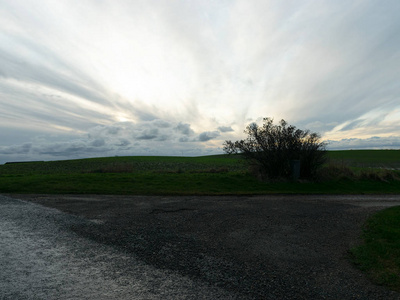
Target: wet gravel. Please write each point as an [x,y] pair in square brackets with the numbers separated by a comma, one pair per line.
[136,247]
[41,258]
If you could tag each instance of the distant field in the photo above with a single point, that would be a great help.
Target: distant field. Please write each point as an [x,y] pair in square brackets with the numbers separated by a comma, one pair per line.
[218,174]
[128,164]
[366,158]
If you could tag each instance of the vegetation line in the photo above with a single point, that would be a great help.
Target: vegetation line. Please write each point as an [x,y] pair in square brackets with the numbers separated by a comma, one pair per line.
[353,172]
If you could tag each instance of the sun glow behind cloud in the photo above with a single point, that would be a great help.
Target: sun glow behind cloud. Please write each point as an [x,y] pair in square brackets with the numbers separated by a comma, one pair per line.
[330,66]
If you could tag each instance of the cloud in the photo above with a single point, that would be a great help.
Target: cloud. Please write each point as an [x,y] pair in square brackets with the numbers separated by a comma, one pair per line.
[175,72]
[184,129]
[16,149]
[225,128]
[378,122]
[68,149]
[206,136]
[98,143]
[148,134]
[156,137]
[375,142]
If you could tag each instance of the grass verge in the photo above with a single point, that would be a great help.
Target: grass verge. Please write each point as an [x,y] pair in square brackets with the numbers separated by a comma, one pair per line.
[154,183]
[379,254]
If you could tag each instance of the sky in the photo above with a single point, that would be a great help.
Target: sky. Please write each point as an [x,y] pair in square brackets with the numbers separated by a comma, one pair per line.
[93,78]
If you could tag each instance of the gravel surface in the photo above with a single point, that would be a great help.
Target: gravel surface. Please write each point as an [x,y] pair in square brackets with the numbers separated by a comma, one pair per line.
[41,258]
[137,247]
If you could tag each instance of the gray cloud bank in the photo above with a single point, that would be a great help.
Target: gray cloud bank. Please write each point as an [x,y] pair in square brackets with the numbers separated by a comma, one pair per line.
[156,137]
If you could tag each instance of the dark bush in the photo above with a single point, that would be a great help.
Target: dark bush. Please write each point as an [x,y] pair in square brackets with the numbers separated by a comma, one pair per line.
[273,147]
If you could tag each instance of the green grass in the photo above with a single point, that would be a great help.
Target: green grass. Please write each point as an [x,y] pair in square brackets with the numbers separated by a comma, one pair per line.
[212,175]
[127,164]
[379,255]
[179,184]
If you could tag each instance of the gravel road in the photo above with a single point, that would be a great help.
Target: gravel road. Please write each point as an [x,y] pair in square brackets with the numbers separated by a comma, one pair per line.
[137,247]
[41,258]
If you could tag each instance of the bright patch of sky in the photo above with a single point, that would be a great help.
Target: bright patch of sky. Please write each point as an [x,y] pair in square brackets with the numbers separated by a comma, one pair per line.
[149,77]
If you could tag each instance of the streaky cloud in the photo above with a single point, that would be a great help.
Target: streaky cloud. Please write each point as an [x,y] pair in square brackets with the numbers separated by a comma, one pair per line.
[154,77]
[375,142]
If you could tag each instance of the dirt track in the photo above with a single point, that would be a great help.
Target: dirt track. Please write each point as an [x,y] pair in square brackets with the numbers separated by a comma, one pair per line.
[264,247]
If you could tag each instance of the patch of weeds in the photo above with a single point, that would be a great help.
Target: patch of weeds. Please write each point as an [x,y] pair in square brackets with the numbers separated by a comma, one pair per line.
[113,168]
[335,172]
[368,175]
[378,175]
[390,176]
[211,170]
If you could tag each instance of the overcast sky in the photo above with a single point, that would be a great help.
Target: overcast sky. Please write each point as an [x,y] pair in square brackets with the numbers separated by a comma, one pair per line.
[144,77]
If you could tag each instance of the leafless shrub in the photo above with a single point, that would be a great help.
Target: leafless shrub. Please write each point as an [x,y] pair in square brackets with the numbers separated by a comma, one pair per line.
[273,147]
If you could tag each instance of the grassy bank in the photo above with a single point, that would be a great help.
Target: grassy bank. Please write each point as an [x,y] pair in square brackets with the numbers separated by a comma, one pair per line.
[379,255]
[219,174]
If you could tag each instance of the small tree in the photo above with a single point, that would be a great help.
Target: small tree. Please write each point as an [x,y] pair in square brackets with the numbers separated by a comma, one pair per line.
[273,147]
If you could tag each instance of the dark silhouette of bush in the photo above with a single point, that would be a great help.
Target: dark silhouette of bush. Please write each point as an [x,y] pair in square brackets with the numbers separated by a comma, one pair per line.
[273,147]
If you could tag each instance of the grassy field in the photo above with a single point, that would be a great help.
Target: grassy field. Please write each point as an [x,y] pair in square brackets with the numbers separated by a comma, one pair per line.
[379,255]
[211,175]
[366,158]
